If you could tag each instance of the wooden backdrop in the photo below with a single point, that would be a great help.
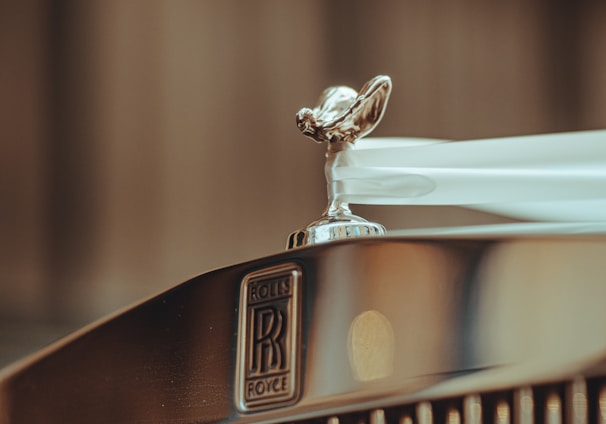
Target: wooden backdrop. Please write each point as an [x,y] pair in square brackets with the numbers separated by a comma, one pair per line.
[147,141]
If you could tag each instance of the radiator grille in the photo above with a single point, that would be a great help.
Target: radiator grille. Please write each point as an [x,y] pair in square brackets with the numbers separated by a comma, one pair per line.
[578,401]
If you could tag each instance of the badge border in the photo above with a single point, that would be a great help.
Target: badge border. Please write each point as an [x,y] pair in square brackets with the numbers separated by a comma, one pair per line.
[294,271]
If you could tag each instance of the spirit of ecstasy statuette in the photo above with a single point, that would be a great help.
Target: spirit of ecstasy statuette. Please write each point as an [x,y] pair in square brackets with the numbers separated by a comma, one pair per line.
[341,117]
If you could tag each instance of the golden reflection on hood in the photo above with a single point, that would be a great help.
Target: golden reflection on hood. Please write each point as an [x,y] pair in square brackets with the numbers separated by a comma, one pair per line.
[370,346]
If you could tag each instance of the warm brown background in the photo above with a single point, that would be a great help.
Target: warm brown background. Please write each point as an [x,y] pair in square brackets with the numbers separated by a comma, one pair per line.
[146,141]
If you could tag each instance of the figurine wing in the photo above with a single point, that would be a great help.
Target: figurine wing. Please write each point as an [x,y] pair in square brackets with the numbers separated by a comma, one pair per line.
[363,115]
[342,115]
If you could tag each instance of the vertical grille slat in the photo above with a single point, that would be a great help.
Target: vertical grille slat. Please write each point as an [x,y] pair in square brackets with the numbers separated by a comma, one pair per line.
[472,406]
[576,402]
[377,417]
[553,408]
[502,413]
[523,406]
[424,413]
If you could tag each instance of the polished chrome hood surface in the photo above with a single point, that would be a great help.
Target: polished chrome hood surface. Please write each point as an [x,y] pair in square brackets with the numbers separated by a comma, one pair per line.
[384,323]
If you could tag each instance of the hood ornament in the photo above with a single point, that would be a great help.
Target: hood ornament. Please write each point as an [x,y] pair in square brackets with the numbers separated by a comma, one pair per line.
[341,117]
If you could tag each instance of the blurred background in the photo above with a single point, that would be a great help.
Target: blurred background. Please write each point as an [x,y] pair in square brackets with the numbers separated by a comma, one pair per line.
[147,141]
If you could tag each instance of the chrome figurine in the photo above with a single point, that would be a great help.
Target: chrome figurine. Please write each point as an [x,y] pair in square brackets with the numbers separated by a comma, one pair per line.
[341,117]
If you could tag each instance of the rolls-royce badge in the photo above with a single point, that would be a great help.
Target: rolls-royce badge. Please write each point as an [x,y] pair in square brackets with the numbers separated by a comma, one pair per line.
[267,373]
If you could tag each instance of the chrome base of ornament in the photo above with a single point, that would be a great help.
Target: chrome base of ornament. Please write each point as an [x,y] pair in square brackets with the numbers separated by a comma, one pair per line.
[332,228]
